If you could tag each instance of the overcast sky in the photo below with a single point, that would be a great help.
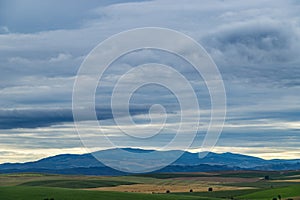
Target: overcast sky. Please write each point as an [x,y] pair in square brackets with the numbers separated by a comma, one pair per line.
[255,45]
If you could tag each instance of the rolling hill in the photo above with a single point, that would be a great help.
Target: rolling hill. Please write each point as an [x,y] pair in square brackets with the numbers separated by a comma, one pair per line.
[189,162]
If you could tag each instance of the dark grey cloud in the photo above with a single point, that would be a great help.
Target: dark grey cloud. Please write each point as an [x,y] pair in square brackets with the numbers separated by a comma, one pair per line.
[263,50]
[34,118]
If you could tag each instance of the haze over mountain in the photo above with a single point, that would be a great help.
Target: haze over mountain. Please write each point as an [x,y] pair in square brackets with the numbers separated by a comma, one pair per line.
[188,162]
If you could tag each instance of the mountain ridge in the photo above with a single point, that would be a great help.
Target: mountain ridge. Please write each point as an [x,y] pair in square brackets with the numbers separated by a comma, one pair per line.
[188,162]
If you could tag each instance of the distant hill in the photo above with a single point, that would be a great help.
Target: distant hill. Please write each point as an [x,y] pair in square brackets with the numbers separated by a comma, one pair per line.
[189,162]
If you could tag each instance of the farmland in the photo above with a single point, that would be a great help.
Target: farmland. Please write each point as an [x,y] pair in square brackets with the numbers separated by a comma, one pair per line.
[225,185]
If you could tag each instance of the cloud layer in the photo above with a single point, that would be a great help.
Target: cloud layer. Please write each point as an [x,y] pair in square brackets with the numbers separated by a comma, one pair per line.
[255,45]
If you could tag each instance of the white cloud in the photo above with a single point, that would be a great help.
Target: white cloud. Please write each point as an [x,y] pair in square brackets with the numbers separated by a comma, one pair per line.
[61,57]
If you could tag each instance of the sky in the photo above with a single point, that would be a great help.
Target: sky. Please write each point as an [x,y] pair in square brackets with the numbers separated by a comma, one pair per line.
[255,45]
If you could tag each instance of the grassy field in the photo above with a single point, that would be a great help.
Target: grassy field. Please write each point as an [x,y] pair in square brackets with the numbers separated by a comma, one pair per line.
[226,185]
[76,183]
[284,192]
[41,193]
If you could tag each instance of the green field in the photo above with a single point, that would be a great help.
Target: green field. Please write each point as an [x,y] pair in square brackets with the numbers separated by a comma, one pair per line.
[76,183]
[255,194]
[284,192]
[40,193]
[62,187]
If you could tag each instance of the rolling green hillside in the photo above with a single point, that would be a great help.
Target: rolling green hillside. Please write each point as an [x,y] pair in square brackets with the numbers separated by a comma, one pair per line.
[284,192]
[76,183]
[31,186]
[41,193]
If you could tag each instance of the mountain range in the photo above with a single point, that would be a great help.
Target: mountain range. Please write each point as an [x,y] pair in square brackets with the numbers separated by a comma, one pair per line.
[87,164]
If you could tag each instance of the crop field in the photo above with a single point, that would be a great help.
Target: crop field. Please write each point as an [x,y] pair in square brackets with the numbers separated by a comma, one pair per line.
[224,185]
